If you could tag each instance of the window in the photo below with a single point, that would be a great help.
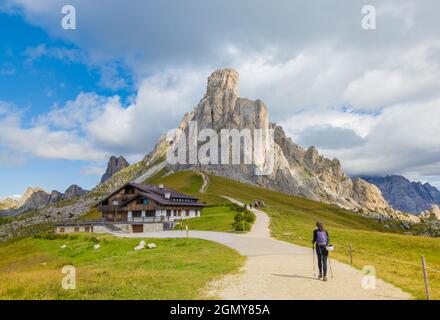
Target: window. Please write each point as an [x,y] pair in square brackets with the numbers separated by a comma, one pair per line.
[129,190]
[151,213]
[87,229]
[142,201]
[76,229]
[115,202]
[62,230]
[137,214]
[168,213]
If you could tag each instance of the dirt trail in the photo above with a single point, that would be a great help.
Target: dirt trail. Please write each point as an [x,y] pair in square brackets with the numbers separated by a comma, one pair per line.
[279,270]
[205,184]
[288,274]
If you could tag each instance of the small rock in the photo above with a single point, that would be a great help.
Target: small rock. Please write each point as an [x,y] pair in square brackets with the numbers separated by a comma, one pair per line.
[140,246]
[63,246]
[96,246]
[151,246]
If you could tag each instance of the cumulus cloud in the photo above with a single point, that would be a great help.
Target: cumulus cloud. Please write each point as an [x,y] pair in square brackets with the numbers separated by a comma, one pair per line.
[328,137]
[369,98]
[60,53]
[92,127]
[92,170]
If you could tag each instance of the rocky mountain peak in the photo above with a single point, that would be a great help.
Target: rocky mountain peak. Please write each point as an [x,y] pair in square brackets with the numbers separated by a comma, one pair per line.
[405,195]
[29,192]
[312,156]
[222,108]
[296,171]
[115,164]
[74,191]
[224,81]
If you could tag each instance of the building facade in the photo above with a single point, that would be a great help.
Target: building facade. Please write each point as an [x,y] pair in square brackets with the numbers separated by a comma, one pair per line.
[138,208]
[147,203]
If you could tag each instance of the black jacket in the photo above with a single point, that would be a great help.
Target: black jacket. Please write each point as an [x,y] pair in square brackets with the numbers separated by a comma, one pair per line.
[315,237]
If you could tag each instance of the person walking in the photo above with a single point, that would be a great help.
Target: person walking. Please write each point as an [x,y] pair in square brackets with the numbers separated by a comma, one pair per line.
[321,239]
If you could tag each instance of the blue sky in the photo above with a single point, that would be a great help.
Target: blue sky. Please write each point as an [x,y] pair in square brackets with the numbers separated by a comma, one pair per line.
[71,98]
[34,86]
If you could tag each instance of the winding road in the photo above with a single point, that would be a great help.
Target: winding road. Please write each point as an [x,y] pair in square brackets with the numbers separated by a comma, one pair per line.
[276,269]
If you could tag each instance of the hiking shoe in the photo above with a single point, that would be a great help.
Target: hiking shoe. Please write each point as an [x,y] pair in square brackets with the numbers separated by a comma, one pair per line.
[325,278]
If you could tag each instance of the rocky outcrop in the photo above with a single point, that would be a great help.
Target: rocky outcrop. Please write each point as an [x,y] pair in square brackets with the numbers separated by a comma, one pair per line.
[115,164]
[296,171]
[405,195]
[29,192]
[433,213]
[74,191]
[55,196]
[37,198]
[9,203]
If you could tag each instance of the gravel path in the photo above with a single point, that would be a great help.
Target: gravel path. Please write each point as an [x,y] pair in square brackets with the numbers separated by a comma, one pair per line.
[205,181]
[279,270]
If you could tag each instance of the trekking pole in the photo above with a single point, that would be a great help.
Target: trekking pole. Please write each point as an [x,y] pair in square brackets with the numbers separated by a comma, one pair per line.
[330,265]
[313,254]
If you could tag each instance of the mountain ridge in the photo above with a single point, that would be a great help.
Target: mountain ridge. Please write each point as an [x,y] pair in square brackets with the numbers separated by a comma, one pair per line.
[35,198]
[405,195]
[297,171]
[114,165]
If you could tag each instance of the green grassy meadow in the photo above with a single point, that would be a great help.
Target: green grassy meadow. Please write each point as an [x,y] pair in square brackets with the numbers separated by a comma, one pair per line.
[177,269]
[395,256]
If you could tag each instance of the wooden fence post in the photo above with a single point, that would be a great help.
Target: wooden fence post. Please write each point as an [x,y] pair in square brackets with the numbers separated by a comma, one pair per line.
[350,250]
[425,277]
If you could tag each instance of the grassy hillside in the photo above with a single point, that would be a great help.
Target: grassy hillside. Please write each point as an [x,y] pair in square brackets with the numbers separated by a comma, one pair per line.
[395,256]
[218,216]
[177,269]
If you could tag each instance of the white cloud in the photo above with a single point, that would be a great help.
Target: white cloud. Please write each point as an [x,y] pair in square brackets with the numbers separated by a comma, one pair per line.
[92,170]
[60,53]
[92,127]
[311,63]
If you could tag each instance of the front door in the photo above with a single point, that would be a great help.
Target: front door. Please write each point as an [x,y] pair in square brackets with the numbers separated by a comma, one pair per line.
[138,228]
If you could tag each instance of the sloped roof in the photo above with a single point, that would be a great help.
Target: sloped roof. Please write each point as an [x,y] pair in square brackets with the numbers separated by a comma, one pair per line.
[166,202]
[161,191]
[157,194]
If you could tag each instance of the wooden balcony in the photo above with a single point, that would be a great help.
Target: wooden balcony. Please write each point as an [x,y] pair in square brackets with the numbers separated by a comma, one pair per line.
[152,219]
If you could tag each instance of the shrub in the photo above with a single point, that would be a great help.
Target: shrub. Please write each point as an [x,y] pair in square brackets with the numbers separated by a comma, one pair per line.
[249,218]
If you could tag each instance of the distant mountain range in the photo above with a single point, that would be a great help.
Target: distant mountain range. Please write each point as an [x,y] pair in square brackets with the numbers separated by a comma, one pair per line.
[36,198]
[405,195]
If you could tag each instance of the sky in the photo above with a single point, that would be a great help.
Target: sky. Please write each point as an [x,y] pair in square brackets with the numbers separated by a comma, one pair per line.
[71,98]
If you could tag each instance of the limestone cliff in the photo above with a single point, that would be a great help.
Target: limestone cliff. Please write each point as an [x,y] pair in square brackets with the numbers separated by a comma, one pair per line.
[296,171]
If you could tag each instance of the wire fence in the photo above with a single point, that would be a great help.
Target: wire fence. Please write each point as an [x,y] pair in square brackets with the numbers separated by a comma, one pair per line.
[423,267]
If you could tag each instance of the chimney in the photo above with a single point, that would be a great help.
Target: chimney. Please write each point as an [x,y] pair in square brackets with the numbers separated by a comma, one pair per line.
[167,195]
